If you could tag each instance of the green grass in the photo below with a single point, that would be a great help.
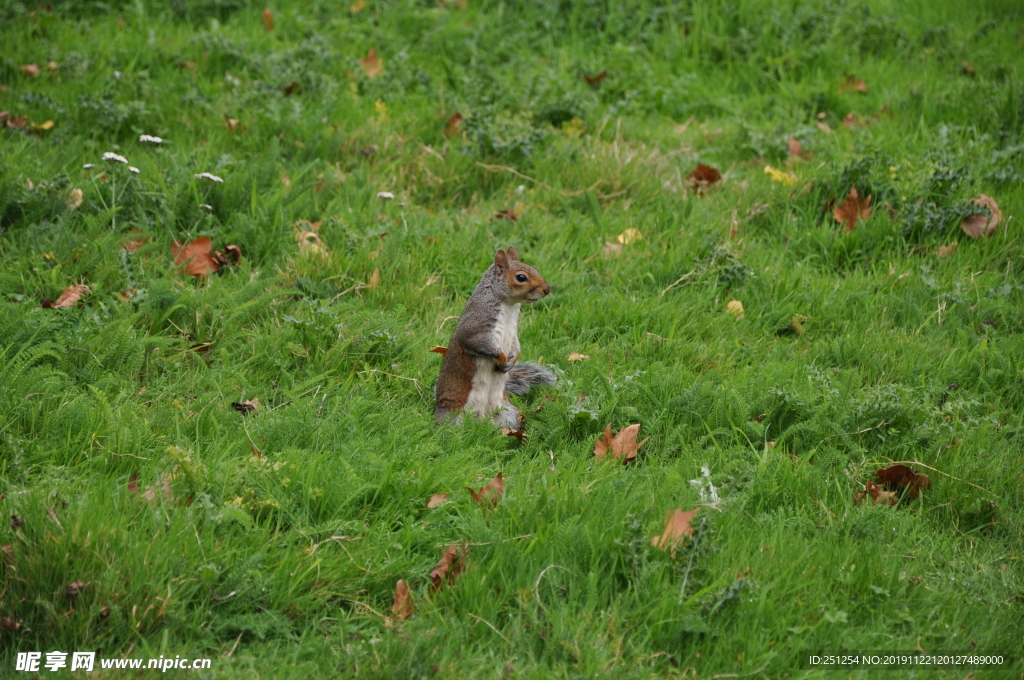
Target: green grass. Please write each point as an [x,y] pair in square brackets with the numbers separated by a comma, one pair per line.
[238,564]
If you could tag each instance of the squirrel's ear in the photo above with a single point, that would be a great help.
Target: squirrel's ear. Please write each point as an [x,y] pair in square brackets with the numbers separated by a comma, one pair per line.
[513,254]
[500,259]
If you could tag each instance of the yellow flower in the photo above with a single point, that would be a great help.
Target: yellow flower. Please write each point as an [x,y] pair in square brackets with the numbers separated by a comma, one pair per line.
[787,178]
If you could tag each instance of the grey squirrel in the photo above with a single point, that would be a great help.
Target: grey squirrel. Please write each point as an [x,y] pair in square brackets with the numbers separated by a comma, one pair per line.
[481,365]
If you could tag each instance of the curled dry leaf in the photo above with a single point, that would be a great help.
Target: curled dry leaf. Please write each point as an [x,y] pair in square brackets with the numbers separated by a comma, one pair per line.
[374,281]
[372,65]
[512,213]
[309,242]
[977,226]
[946,251]
[74,199]
[902,479]
[852,209]
[735,307]
[70,297]
[488,496]
[195,256]
[595,80]
[31,70]
[268,19]
[437,500]
[230,123]
[612,249]
[631,235]
[851,121]
[519,434]
[402,608]
[677,529]
[623,445]
[703,177]
[234,255]
[576,356]
[75,587]
[453,563]
[247,406]
[796,150]
[874,495]
[10,121]
[133,483]
[453,127]
[46,125]
[850,82]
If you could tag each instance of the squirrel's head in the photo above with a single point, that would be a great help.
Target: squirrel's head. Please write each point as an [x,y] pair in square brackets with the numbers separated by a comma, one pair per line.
[522,282]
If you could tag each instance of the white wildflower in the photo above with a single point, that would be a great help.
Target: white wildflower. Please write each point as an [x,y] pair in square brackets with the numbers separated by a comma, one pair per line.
[206,206]
[151,139]
[385,194]
[111,156]
[133,169]
[88,166]
[209,176]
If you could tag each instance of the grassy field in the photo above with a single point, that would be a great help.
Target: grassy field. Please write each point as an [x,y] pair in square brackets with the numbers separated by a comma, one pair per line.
[271,541]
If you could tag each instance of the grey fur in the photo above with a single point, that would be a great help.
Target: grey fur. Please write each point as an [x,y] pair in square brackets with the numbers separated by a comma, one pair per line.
[525,375]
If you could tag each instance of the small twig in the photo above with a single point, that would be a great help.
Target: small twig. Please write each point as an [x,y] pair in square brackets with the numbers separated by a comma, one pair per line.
[221,598]
[323,401]
[489,625]
[505,168]
[536,585]
[680,280]
[514,538]
[914,462]
[363,604]
[850,434]
[418,383]
[551,454]
[738,675]
[129,455]
[317,388]
[237,640]
[339,538]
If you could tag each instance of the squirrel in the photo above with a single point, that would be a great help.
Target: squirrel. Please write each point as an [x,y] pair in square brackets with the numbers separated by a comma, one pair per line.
[481,365]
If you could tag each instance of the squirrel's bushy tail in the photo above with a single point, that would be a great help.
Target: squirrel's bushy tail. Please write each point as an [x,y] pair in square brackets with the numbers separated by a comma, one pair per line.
[525,375]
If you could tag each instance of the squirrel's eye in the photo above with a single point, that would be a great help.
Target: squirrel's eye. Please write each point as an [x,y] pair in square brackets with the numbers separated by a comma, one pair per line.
[521,278]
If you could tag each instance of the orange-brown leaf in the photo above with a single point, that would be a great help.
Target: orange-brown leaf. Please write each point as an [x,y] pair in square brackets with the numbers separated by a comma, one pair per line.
[31,70]
[979,225]
[796,150]
[850,82]
[677,529]
[133,483]
[453,563]
[488,496]
[195,256]
[595,80]
[623,445]
[437,500]
[372,65]
[874,495]
[453,127]
[440,350]
[402,608]
[704,176]
[268,19]
[519,434]
[71,296]
[852,209]
[903,479]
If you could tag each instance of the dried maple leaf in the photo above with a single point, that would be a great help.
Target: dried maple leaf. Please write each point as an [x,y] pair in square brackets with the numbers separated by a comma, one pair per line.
[31,70]
[372,65]
[595,80]
[796,150]
[623,445]
[488,496]
[677,529]
[247,406]
[195,256]
[852,209]
[70,297]
[703,177]
[453,127]
[519,434]
[402,608]
[438,349]
[850,82]
[437,500]
[901,478]
[875,495]
[979,225]
[268,19]
[452,563]
[133,483]
[75,587]
[576,356]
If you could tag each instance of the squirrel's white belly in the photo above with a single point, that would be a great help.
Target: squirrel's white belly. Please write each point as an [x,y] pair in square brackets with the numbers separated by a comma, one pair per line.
[487,393]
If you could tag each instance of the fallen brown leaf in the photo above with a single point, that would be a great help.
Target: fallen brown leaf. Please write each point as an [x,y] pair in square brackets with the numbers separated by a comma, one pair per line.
[437,500]
[402,608]
[488,496]
[374,281]
[452,563]
[852,209]
[824,127]
[900,478]
[977,226]
[703,177]
[595,80]
[43,126]
[874,495]
[946,251]
[372,65]
[612,249]
[677,529]
[247,406]
[9,624]
[512,213]
[11,121]
[453,127]
[234,255]
[151,493]
[75,587]
[623,445]
[195,256]
[230,123]
[31,70]
[439,350]
[71,296]
[796,150]
[268,19]
[851,120]
[133,483]
[74,199]
[519,434]
[576,356]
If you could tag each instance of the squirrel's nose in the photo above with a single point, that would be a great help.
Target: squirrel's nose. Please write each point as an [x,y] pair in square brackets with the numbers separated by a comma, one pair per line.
[547,289]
